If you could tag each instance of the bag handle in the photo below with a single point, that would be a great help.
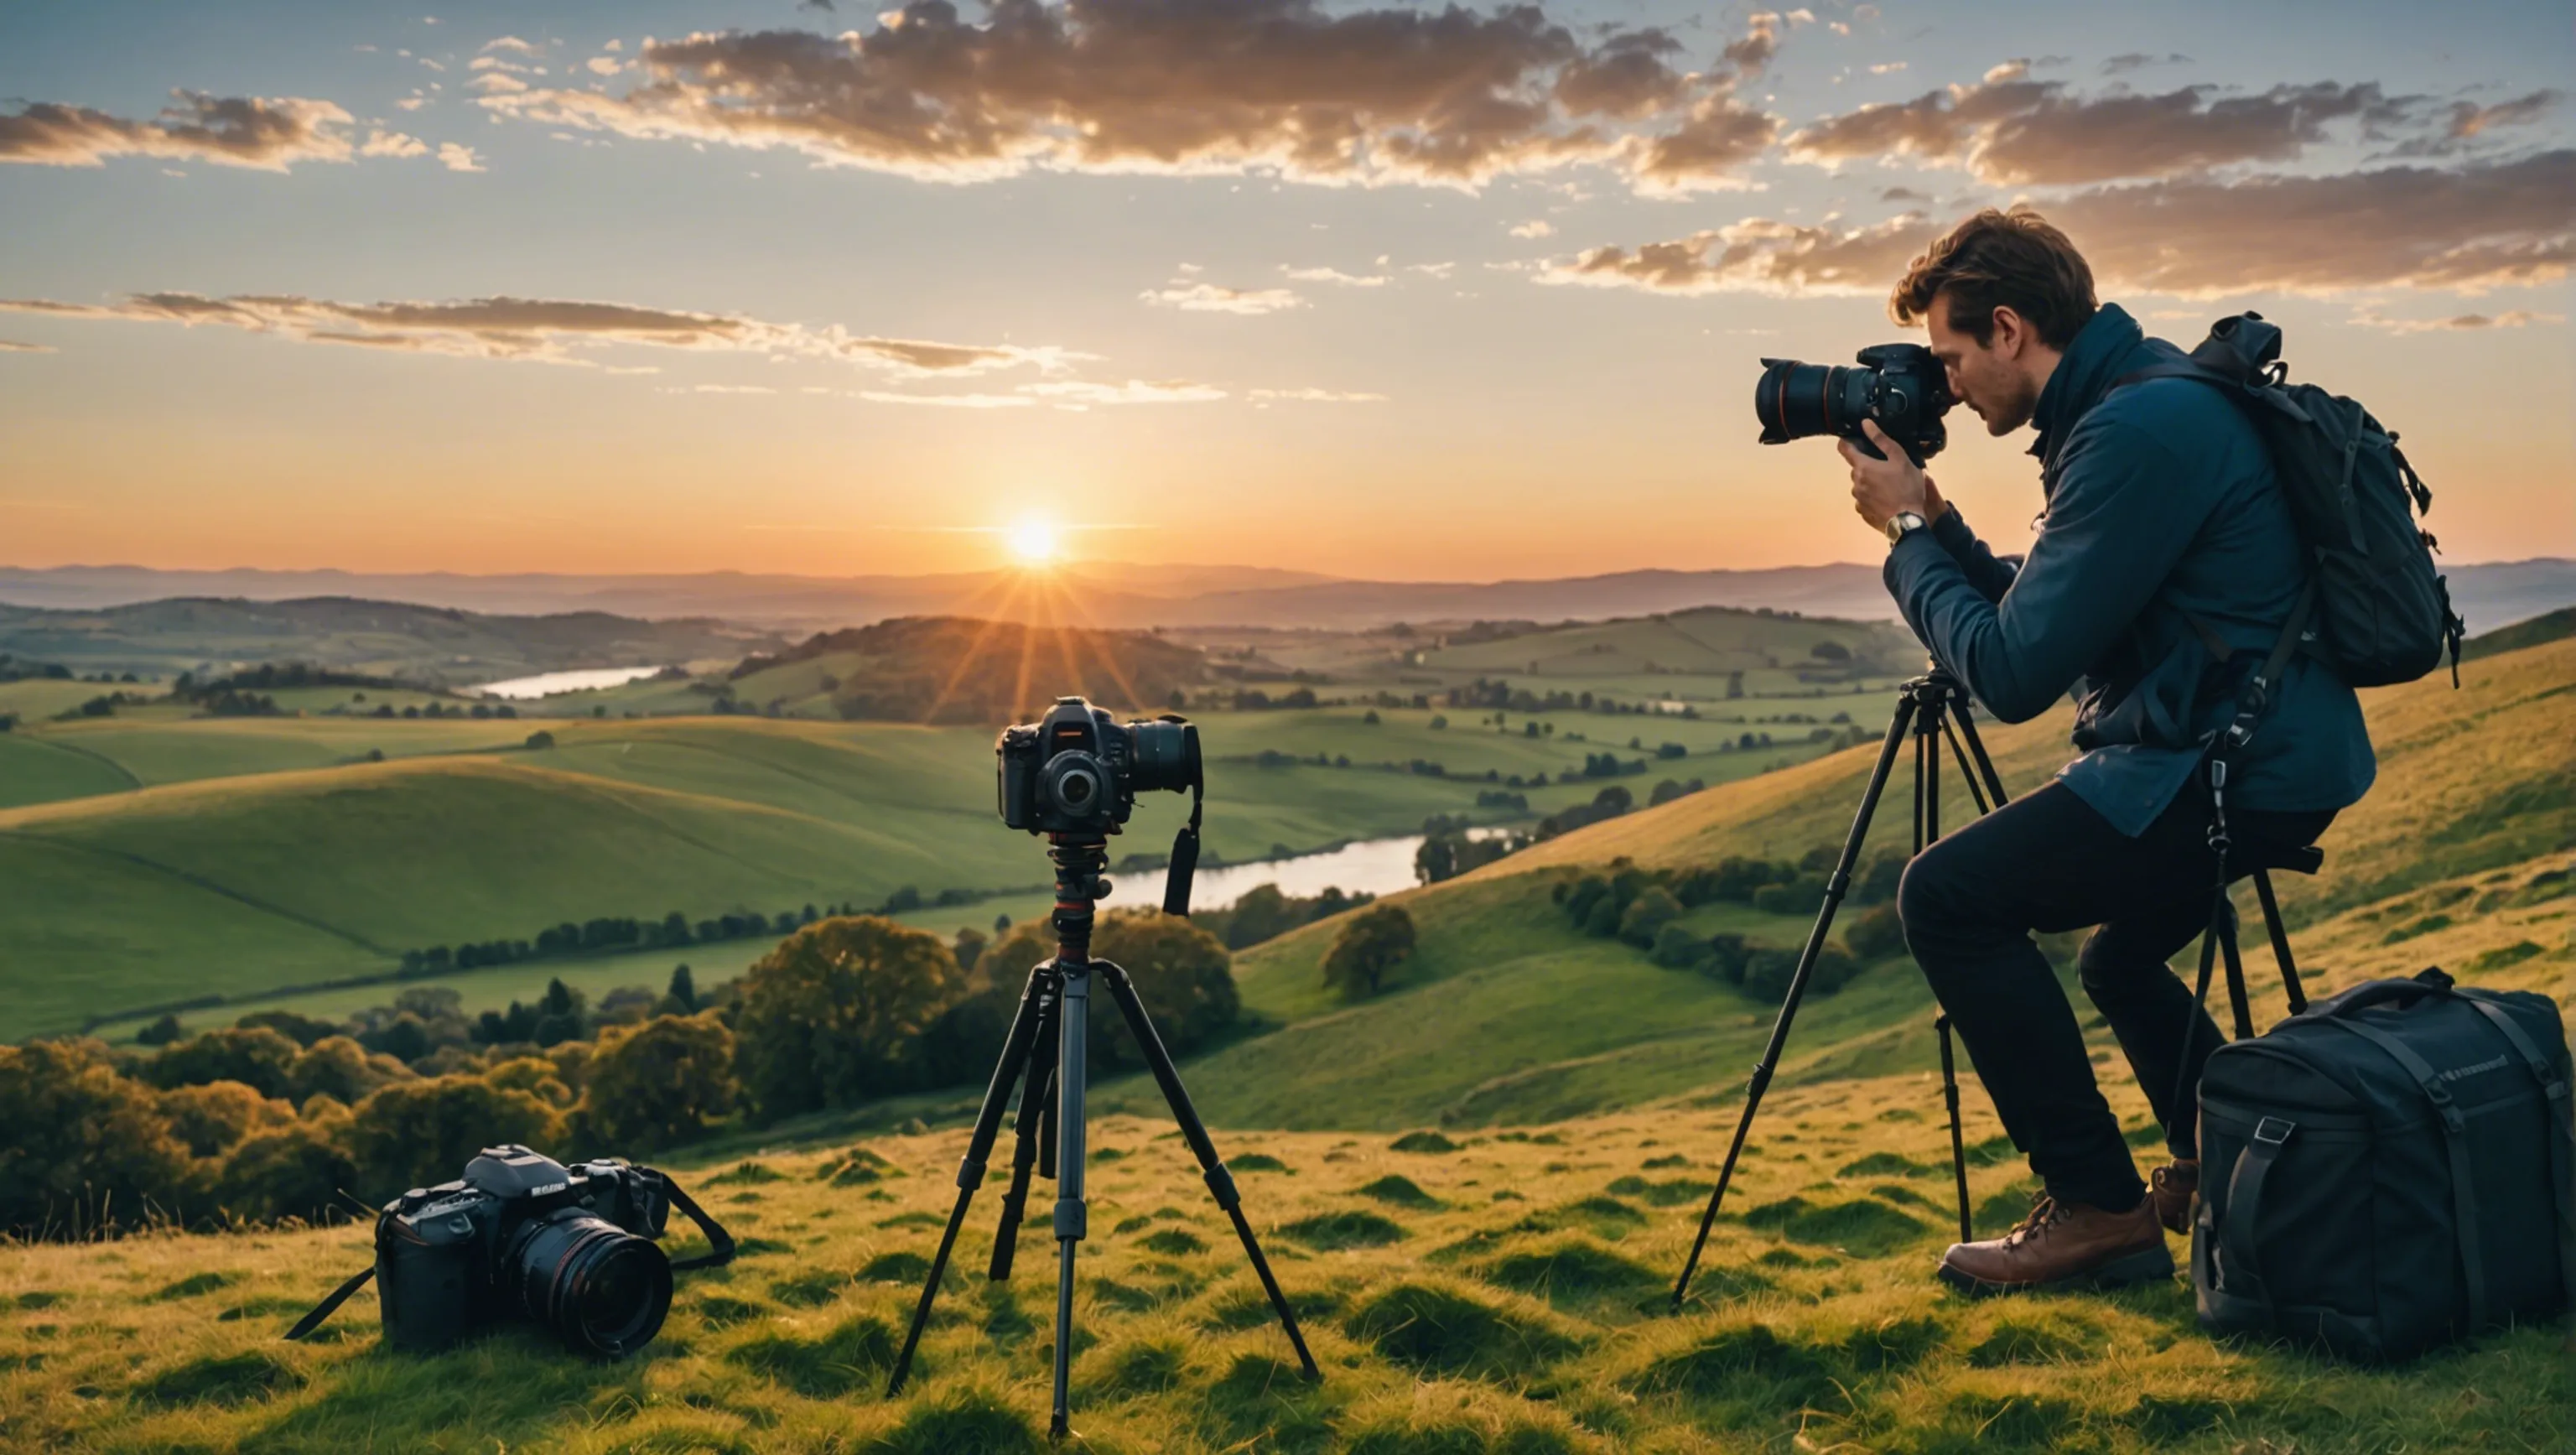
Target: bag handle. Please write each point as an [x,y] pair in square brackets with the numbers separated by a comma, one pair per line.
[2235,1253]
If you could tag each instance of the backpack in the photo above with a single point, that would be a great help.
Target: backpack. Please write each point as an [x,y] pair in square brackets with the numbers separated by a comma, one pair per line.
[2375,610]
[2388,1171]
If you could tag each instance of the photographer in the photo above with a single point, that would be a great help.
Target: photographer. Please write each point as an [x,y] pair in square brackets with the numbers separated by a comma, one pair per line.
[2165,564]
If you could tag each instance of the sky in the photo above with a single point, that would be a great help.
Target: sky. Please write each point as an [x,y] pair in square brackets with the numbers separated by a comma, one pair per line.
[1368,290]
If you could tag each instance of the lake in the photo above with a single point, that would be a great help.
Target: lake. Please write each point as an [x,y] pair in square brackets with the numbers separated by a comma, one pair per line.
[546,684]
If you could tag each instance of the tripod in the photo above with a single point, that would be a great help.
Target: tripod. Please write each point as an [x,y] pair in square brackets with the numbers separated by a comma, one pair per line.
[1044,1056]
[1932,709]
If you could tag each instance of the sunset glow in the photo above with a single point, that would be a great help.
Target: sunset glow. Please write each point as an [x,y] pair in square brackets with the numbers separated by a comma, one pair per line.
[346,287]
[1033,541]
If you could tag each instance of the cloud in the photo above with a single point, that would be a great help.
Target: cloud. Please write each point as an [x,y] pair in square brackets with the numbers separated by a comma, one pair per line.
[552,331]
[393,144]
[2464,229]
[268,134]
[1537,227]
[1083,392]
[1192,297]
[1336,277]
[604,65]
[1314,396]
[1758,255]
[2013,131]
[1286,87]
[2127,61]
[12,346]
[2465,322]
[950,401]
[458,158]
[509,43]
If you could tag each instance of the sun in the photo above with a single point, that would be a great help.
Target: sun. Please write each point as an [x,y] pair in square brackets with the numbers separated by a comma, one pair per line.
[1033,541]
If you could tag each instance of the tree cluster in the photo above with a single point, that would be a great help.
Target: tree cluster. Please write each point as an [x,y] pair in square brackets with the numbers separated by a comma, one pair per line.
[1264,912]
[1641,907]
[286,1116]
[1607,804]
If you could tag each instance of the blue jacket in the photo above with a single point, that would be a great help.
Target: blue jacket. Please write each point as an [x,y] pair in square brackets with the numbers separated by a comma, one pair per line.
[2163,502]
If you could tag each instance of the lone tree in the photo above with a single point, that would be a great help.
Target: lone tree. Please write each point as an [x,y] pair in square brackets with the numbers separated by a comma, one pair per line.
[658,1084]
[1374,942]
[834,1016]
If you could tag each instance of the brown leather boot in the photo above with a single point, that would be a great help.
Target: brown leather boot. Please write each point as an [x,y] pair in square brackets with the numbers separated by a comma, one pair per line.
[2063,1244]
[2172,1188]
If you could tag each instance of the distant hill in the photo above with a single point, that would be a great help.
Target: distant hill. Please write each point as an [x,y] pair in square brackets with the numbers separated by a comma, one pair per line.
[1113,594]
[427,644]
[945,669]
[1708,641]
[2555,626]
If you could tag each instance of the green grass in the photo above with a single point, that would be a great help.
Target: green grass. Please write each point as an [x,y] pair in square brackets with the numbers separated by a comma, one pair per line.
[1516,1304]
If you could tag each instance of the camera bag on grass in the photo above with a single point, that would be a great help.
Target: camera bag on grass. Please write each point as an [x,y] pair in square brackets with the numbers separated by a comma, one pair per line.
[2388,1171]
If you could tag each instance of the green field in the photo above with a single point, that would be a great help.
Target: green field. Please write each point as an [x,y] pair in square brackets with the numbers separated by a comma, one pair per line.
[1497,1288]
[170,858]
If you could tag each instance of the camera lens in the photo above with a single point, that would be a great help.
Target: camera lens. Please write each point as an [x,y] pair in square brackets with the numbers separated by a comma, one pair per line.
[1795,400]
[1073,783]
[598,1286]
[1165,756]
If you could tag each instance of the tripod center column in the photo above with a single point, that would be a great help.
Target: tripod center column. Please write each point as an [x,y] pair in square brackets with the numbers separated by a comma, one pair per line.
[1073,1021]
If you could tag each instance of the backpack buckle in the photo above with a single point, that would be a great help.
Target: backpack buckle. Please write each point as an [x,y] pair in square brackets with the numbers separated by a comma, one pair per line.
[2274,1131]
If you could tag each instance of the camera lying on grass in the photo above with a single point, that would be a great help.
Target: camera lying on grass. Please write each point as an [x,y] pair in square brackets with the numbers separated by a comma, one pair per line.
[521,1237]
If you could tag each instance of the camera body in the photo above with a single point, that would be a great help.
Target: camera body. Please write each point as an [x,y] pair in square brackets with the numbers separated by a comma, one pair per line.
[1901,386]
[522,1237]
[1077,770]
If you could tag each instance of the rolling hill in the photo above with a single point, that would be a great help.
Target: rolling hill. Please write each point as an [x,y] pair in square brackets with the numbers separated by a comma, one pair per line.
[427,644]
[2465,854]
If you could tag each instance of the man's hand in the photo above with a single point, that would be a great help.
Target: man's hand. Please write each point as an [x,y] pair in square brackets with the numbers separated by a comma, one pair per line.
[1881,488]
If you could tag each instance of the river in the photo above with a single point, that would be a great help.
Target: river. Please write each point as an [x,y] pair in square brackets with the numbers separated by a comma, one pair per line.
[546,684]
[1371,866]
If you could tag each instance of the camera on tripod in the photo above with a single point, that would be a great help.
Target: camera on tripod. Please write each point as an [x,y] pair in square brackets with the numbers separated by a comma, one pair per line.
[1901,386]
[1078,769]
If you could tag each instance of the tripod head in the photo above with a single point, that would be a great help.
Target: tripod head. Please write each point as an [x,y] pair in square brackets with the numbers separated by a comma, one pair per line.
[1079,860]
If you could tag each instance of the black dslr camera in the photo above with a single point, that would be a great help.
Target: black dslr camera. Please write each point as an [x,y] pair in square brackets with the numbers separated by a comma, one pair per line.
[522,1237]
[1902,386]
[1077,770]
[1074,774]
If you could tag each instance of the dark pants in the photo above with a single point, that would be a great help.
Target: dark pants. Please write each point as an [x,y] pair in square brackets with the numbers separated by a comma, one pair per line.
[2049,863]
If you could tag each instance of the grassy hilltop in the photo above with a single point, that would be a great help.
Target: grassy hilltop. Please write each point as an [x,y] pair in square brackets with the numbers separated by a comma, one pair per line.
[1493,1284]
[1463,1293]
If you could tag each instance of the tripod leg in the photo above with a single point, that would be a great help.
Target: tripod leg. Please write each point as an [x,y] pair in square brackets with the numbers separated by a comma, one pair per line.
[1763,1070]
[970,1172]
[2184,1104]
[1071,1212]
[2280,942]
[1965,716]
[1967,773]
[2238,999]
[1958,1141]
[1036,1089]
[1193,1131]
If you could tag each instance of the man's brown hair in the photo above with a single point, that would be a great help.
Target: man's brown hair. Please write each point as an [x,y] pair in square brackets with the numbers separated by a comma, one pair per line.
[1997,259]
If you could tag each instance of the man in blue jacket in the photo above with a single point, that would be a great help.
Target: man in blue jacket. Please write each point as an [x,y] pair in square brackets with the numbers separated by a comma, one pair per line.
[2165,564]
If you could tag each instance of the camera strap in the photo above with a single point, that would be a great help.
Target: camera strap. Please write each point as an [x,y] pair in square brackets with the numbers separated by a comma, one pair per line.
[720,1242]
[1185,856]
[331,1303]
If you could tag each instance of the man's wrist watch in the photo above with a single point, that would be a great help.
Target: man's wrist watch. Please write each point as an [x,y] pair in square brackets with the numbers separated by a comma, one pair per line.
[1903,522]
